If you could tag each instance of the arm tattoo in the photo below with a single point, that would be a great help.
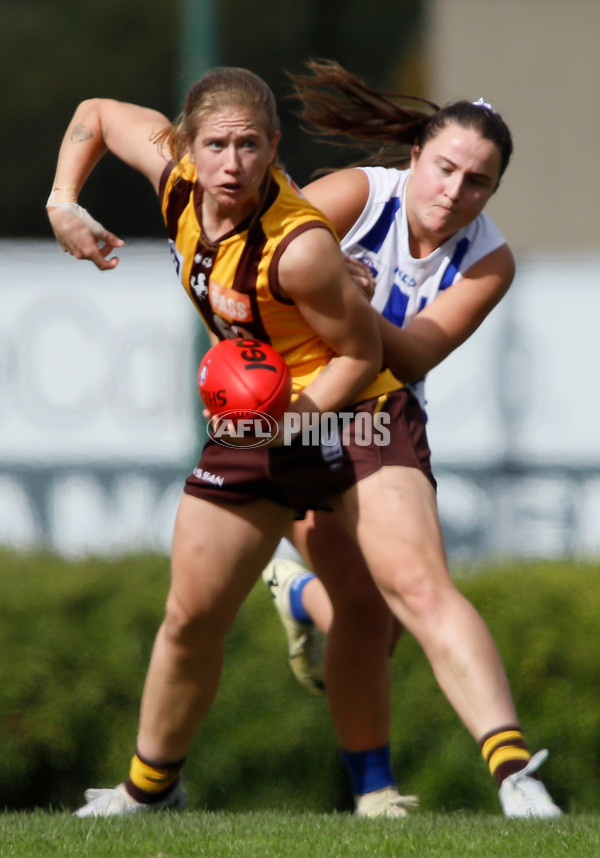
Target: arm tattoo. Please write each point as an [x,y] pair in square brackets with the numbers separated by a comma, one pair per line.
[80,133]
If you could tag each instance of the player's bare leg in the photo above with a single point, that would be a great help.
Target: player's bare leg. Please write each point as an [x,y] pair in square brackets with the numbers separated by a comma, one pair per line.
[399,532]
[394,515]
[359,632]
[210,580]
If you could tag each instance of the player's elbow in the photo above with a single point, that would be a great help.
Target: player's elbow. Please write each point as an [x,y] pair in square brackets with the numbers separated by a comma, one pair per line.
[92,115]
[89,108]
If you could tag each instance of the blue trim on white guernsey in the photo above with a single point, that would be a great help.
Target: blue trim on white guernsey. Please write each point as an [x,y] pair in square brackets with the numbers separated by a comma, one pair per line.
[454,265]
[374,239]
[395,308]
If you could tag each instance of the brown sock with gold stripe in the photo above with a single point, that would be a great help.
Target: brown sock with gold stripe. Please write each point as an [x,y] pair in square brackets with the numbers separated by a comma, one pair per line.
[149,781]
[505,752]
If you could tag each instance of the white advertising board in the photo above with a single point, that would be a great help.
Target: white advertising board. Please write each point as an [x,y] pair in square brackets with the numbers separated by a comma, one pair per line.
[94,365]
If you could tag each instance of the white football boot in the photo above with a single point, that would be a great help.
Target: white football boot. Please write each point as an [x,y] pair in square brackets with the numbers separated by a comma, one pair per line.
[306,643]
[521,795]
[386,802]
[116,801]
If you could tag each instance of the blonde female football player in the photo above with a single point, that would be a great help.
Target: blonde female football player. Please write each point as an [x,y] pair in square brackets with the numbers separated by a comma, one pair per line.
[440,266]
[236,227]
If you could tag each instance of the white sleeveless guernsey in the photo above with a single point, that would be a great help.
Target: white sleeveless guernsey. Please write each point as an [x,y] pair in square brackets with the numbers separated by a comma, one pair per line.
[405,285]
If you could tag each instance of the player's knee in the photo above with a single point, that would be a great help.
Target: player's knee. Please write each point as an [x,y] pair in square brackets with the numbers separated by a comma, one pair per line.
[421,588]
[187,625]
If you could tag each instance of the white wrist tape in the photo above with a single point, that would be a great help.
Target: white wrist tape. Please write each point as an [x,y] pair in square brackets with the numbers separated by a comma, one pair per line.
[94,227]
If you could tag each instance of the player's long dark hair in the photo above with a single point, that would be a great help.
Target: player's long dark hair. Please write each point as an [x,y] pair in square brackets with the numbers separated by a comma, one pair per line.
[337,104]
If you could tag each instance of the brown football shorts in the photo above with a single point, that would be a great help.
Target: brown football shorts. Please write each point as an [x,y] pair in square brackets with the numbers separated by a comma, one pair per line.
[388,430]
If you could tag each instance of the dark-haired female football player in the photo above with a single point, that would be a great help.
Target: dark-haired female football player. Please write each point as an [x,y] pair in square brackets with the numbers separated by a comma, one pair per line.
[415,217]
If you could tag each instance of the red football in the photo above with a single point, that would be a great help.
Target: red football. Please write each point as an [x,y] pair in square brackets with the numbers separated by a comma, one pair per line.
[243,376]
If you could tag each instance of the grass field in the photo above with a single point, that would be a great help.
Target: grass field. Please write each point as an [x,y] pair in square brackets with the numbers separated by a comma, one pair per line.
[276,835]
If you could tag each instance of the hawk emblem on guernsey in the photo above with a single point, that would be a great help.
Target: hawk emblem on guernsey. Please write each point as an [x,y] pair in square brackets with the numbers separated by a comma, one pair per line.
[199,285]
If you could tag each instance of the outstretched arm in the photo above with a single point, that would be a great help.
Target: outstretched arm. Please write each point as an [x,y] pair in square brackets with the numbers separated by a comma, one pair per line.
[100,125]
[446,323]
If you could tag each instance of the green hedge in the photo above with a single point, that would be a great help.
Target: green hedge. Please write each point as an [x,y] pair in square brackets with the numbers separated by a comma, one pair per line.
[76,639]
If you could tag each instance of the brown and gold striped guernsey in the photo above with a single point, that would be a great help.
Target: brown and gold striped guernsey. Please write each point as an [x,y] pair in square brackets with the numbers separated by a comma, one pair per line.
[234,285]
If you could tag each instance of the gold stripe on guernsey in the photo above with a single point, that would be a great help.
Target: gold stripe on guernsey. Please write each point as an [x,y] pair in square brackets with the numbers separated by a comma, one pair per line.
[509,752]
[380,403]
[383,384]
[500,739]
[152,779]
